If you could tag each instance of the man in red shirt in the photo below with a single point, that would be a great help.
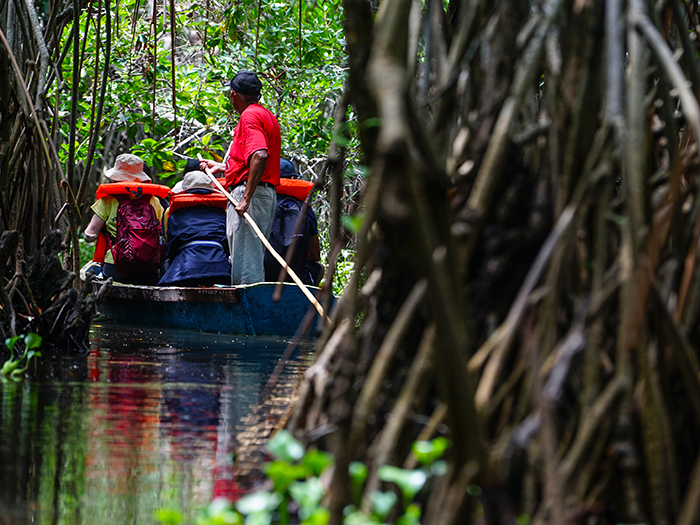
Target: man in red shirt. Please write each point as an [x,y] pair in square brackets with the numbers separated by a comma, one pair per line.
[252,170]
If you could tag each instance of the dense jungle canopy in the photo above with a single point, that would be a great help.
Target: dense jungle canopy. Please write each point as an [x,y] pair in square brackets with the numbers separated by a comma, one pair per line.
[518,184]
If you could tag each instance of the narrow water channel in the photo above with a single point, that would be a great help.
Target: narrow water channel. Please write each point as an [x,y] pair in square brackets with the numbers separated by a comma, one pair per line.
[150,419]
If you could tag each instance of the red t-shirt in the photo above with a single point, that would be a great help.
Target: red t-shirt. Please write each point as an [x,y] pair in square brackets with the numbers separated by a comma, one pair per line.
[257,129]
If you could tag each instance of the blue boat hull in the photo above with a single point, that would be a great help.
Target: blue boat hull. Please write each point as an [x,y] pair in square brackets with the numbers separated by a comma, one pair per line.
[242,310]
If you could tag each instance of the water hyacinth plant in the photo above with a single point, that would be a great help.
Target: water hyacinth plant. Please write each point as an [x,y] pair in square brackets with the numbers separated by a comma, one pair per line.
[298,490]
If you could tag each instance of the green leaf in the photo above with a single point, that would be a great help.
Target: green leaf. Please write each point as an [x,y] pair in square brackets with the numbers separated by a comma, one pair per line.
[282,474]
[320,516]
[439,468]
[408,481]
[258,502]
[382,502]
[426,452]
[169,517]
[317,461]
[358,471]
[32,341]
[358,475]
[411,516]
[220,512]
[8,367]
[353,222]
[308,495]
[353,516]
[283,446]
[474,490]
[10,342]
[373,122]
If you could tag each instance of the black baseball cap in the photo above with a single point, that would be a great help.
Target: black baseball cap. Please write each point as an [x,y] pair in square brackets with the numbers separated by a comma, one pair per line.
[245,82]
[192,165]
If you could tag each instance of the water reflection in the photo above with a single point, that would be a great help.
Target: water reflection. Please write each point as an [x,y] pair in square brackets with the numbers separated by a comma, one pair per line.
[150,419]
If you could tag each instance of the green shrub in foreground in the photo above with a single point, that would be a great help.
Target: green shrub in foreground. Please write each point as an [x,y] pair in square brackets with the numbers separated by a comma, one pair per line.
[297,493]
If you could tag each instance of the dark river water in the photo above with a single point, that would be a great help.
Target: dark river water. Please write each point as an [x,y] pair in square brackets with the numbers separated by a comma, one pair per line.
[150,419]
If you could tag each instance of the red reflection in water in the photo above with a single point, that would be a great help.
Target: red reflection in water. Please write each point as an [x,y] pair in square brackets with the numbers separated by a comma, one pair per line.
[156,420]
[126,420]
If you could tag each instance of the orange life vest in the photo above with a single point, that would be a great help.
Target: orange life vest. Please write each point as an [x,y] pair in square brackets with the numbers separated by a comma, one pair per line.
[114,189]
[295,188]
[187,200]
[133,189]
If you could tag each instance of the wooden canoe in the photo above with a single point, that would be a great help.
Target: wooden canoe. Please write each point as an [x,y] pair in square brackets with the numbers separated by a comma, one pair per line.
[240,310]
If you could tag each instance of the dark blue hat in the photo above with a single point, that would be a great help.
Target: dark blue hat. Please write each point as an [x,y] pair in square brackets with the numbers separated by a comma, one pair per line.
[287,170]
[246,83]
[192,165]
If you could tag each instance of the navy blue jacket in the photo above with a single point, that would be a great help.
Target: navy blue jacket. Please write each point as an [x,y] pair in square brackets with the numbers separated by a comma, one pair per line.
[281,237]
[196,246]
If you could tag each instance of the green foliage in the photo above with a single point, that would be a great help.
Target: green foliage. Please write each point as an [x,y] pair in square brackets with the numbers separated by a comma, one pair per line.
[382,503]
[219,512]
[87,251]
[353,222]
[17,364]
[427,452]
[284,447]
[409,481]
[303,69]
[344,266]
[358,475]
[296,478]
[169,517]
[302,72]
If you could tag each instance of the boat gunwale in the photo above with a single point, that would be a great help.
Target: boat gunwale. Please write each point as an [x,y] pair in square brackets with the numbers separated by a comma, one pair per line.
[176,294]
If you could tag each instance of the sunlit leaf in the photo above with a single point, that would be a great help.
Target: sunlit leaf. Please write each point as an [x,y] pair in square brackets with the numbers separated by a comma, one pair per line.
[353,516]
[411,516]
[258,502]
[317,461]
[358,475]
[382,502]
[408,481]
[282,474]
[221,512]
[320,516]
[169,517]
[428,451]
[169,166]
[308,495]
[284,446]
[439,468]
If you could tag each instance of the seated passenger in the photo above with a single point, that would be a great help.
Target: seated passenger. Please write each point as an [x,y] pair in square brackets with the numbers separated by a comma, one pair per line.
[127,223]
[197,247]
[307,252]
[190,165]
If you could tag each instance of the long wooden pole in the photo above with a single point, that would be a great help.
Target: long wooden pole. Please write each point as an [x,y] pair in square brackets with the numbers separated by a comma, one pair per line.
[267,245]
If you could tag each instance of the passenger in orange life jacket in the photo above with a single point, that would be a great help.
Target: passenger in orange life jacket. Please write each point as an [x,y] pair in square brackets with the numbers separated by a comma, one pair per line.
[307,252]
[132,184]
[196,252]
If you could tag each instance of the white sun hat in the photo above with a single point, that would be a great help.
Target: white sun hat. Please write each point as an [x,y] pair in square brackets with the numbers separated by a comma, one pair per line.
[196,180]
[127,168]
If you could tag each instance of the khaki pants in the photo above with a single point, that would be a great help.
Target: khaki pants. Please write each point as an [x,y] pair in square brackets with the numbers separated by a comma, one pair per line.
[247,250]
